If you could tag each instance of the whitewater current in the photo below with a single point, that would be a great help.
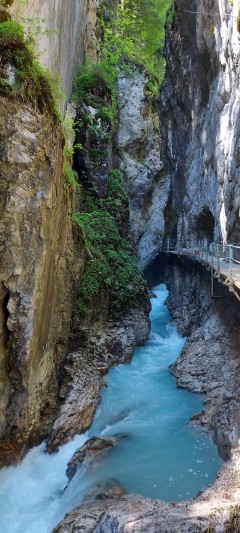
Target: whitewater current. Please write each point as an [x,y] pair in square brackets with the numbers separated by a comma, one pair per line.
[159,456]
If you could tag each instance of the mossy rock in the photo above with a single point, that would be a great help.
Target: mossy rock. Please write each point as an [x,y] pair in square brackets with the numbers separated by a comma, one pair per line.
[6,3]
[4,15]
[233,524]
[31,81]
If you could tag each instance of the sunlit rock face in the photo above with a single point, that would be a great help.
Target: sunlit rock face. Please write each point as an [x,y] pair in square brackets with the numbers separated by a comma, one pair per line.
[138,148]
[40,259]
[38,273]
[199,111]
[73,23]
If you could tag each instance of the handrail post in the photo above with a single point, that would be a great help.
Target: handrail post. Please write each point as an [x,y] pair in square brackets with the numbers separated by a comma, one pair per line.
[192,246]
[168,243]
[218,260]
[211,247]
[231,262]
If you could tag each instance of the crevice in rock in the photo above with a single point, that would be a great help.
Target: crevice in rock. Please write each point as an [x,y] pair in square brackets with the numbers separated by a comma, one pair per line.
[5,315]
[205,224]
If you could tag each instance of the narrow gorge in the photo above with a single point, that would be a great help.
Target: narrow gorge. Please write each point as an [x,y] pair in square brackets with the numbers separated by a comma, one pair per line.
[119,167]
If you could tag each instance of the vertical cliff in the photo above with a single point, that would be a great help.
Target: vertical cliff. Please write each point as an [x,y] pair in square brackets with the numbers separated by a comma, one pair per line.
[199,112]
[62,49]
[42,257]
[138,150]
[39,271]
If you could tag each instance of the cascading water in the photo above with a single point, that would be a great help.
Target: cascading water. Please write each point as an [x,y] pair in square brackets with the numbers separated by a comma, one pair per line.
[159,456]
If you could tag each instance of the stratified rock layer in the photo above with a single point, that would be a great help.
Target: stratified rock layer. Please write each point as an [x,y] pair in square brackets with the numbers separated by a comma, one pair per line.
[38,273]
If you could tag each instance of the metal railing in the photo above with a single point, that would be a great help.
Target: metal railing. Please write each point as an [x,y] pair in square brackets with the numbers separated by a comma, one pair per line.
[212,255]
[229,254]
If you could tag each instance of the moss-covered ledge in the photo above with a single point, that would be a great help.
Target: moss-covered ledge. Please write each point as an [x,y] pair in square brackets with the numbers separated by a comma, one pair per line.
[21,75]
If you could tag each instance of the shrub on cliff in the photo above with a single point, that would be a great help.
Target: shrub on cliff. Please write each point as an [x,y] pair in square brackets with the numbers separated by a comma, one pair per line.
[21,74]
[110,266]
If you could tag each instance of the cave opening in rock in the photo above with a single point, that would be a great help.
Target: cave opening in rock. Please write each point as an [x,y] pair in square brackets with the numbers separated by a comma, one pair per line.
[204,225]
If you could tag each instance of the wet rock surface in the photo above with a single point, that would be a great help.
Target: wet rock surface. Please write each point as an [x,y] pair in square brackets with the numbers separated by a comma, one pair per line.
[89,452]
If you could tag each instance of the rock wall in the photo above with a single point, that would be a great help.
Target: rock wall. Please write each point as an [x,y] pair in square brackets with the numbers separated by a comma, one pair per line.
[42,255]
[102,342]
[138,150]
[73,22]
[199,113]
[39,273]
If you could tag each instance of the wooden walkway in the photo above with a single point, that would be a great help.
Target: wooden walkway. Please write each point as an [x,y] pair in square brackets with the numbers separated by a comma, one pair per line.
[223,261]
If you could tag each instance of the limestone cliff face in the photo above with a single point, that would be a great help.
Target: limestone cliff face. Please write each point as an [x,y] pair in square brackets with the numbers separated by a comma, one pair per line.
[199,113]
[73,22]
[38,272]
[42,255]
[199,110]
[138,149]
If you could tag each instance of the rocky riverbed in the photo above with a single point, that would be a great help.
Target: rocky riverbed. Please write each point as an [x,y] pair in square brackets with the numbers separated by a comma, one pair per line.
[208,364]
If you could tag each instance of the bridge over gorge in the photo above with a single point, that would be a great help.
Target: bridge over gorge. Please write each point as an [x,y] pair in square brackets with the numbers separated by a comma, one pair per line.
[222,260]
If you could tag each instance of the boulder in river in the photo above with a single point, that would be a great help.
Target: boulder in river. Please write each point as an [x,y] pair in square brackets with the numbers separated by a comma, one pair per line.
[87,452]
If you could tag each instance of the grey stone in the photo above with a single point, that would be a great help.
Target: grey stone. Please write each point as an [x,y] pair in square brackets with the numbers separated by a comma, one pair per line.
[200,118]
[138,146]
[87,453]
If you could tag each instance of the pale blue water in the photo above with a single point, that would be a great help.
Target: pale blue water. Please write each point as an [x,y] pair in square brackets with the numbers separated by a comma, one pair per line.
[161,456]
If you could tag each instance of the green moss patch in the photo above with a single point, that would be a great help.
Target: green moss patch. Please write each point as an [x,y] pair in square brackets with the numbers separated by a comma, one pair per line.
[233,524]
[28,79]
[110,267]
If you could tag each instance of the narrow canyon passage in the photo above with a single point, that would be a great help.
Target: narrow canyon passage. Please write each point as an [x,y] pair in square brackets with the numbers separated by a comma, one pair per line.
[120,130]
[159,456]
